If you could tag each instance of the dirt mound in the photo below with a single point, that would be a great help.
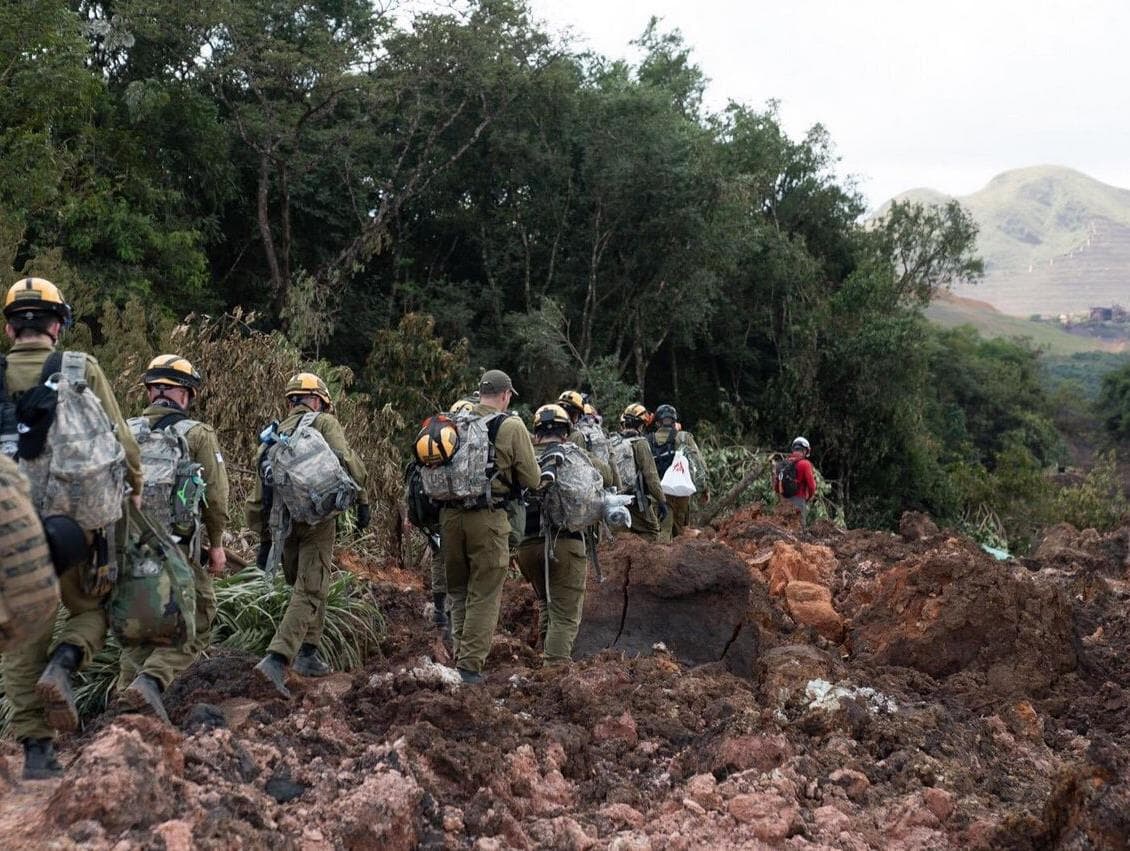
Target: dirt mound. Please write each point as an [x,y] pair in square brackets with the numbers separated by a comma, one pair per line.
[959,702]
[952,609]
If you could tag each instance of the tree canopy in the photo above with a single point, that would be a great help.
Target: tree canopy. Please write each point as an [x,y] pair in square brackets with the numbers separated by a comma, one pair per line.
[384,185]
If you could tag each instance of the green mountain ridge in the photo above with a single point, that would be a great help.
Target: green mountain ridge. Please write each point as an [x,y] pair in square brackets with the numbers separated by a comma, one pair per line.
[1053,239]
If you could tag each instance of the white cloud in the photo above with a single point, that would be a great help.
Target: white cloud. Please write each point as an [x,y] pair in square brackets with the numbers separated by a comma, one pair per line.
[914,93]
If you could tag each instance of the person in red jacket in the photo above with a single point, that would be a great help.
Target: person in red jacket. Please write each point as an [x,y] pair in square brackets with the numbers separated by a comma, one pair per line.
[795,480]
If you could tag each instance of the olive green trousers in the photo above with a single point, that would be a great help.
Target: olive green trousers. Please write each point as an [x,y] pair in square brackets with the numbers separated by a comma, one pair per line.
[476,553]
[307,565]
[85,628]
[559,616]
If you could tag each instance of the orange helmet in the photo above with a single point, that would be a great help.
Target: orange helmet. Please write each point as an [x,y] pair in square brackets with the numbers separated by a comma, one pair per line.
[436,442]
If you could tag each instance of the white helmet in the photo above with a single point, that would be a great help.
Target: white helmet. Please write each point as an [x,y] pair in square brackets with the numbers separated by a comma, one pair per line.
[801,443]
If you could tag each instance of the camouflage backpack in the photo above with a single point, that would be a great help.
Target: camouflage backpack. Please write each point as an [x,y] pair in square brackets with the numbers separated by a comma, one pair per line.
[308,477]
[575,500]
[174,487]
[466,477]
[80,469]
[29,591]
[596,441]
[154,599]
[623,459]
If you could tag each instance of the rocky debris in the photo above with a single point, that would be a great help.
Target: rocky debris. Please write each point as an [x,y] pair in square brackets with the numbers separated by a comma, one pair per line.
[962,703]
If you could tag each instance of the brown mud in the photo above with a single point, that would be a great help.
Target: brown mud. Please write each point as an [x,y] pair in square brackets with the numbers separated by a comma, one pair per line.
[753,686]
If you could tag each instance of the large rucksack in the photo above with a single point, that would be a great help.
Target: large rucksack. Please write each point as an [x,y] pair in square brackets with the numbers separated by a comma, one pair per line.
[153,602]
[785,477]
[308,477]
[466,477]
[596,440]
[663,453]
[174,488]
[29,591]
[575,499]
[423,511]
[67,447]
[622,457]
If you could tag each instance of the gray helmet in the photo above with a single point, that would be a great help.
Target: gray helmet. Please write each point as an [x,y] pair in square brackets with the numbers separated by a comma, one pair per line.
[801,443]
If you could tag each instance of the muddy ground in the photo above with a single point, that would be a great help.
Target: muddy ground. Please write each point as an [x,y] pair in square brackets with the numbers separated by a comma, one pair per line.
[753,686]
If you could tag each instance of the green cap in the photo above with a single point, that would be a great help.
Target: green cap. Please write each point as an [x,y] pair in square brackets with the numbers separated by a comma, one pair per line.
[495,381]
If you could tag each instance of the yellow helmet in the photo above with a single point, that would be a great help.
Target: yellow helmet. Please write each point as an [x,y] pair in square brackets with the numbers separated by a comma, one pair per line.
[551,416]
[590,410]
[465,403]
[171,371]
[634,415]
[36,295]
[308,384]
[436,442]
[571,401]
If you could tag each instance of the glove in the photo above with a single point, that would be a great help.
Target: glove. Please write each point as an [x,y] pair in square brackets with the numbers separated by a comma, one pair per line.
[263,555]
[662,511]
[363,517]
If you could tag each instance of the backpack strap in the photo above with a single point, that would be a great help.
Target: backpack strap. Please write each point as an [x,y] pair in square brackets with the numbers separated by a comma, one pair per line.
[4,380]
[306,420]
[170,419]
[51,366]
[74,367]
[184,425]
[493,427]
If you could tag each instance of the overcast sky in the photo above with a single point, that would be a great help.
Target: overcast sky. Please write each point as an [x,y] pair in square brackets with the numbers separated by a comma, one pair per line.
[938,93]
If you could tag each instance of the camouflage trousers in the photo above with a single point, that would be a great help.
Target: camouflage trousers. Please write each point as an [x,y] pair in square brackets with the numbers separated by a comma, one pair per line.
[85,628]
[165,664]
[476,553]
[307,564]
[559,615]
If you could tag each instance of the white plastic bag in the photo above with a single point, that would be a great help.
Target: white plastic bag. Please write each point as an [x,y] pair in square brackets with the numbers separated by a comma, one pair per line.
[677,480]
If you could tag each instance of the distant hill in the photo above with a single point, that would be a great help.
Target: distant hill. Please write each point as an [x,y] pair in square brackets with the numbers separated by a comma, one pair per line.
[1053,239]
[950,311]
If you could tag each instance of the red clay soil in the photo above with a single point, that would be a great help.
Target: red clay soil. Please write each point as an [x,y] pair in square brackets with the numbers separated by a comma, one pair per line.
[960,702]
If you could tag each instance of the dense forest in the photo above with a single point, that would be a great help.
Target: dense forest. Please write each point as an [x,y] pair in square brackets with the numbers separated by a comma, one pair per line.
[418,194]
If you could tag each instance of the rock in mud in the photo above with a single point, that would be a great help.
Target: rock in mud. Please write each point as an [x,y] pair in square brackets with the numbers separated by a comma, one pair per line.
[127,777]
[693,597]
[383,812]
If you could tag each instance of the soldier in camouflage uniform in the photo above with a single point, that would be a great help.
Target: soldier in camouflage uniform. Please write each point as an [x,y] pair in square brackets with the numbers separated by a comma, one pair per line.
[559,615]
[29,590]
[668,438]
[171,384]
[307,559]
[647,517]
[38,684]
[476,541]
[574,405]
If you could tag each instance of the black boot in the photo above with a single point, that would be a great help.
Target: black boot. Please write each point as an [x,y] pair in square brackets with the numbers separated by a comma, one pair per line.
[39,760]
[146,690]
[309,662]
[471,678]
[272,668]
[54,688]
[439,619]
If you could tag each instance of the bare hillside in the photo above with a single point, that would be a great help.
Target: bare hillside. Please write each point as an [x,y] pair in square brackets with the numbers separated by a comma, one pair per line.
[1053,240]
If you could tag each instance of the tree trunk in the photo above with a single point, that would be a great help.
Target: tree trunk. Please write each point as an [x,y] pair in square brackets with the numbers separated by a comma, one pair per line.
[265,231]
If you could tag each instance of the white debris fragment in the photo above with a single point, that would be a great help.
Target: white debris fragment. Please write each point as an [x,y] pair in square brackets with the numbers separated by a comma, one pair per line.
[824,695]
[424,673]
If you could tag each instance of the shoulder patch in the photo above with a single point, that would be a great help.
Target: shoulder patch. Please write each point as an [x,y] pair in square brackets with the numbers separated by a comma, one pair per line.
[219,457]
